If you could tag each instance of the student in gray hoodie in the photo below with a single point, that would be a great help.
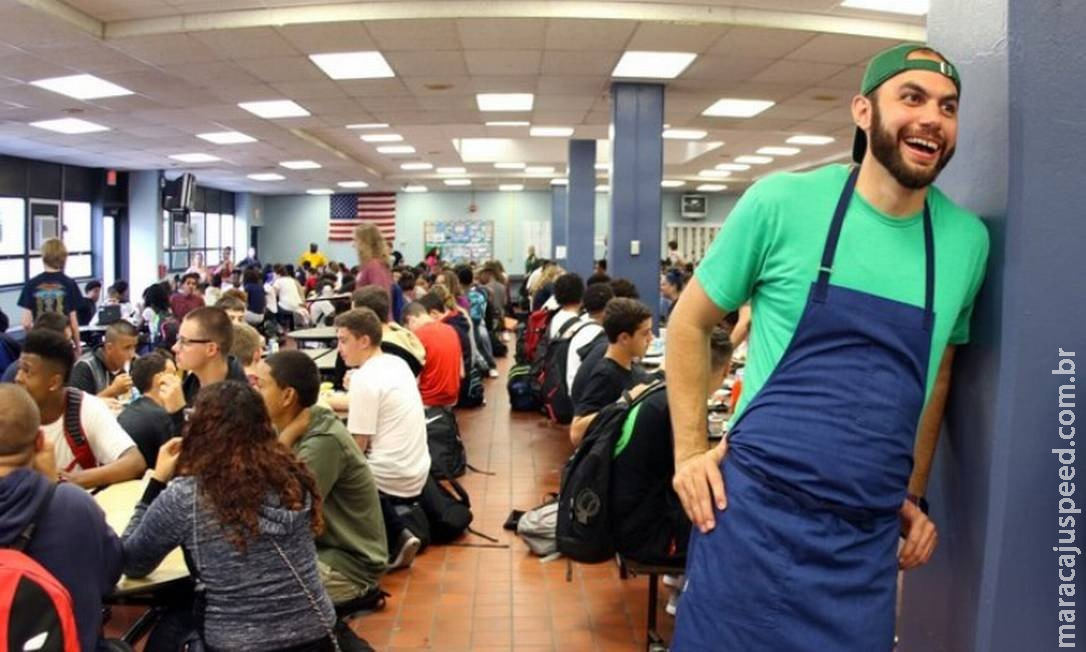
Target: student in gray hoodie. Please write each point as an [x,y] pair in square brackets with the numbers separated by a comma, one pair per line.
[245,512]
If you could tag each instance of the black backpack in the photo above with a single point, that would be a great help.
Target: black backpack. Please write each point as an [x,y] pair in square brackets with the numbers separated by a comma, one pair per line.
[447,507]
[471,389]
[557,404]
[584,531]
[523,389]
[447,455]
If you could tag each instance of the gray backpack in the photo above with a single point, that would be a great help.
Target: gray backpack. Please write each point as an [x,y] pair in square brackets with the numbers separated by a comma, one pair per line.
[537,528]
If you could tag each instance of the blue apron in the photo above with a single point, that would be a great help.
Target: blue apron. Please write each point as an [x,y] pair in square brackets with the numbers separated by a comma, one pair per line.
[805,555]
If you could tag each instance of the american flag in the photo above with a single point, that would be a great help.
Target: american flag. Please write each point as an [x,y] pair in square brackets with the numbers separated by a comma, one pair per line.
[348,211]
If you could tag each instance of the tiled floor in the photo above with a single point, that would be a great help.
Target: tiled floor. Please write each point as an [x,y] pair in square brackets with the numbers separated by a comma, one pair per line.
[482,597]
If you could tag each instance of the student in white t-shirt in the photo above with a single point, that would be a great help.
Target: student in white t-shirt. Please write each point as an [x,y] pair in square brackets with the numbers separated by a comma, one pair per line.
[590,327]
[386,417]
[568,292]
[109,455]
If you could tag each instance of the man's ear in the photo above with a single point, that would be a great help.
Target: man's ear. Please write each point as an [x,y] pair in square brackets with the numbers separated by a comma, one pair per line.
[39,441]
[290,396]
[861,112]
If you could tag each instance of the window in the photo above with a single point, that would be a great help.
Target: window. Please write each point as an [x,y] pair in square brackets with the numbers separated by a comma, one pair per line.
[26,224]
[12,240]
[207,229]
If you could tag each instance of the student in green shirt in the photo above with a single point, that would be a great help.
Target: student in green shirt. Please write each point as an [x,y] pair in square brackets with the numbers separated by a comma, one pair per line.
[352,552]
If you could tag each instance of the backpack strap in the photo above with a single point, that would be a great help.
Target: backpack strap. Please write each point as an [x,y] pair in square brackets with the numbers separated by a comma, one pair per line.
[24,537]
[565,327]
[73,431]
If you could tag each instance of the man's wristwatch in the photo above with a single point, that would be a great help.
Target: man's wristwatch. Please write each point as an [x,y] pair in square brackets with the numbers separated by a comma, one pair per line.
[919,501]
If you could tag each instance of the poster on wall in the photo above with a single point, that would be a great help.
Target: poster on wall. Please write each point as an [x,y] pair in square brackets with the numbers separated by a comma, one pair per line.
[460,241]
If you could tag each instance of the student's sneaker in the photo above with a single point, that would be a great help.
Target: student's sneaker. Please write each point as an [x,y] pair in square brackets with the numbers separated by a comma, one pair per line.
[674,581]
[493,373]
[372,600]
[673,603]
[409,547]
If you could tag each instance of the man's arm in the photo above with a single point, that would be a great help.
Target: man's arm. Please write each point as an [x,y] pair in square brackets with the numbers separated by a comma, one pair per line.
[26,319]
[129,466]
[579,427]
[73,319]
[927,436]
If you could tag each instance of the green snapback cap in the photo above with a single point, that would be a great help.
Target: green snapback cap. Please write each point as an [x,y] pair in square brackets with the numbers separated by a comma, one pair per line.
[894,61]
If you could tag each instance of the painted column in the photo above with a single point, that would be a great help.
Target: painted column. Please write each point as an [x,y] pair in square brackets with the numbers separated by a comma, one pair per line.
[581,225]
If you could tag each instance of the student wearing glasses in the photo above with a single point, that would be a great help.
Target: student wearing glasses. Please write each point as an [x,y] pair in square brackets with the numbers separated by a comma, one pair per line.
[202,350]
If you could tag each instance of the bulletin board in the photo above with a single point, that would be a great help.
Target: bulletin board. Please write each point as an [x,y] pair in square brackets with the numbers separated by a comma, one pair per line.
[460,241]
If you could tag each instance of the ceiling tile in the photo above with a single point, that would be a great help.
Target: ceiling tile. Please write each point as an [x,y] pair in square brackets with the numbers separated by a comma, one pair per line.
[422,34]
[564,103]
[669,37]
[502,33]
[503,84]
[503,62]
[282,69]
[373,87]
[850,78]
[246,43]
[568,62]
[797,72]
[165,49]
[579,34]
[424,86]
[725,69]
[310,90]
[316,38]
[214,73]
[840,48]
[572,85]
[758,42]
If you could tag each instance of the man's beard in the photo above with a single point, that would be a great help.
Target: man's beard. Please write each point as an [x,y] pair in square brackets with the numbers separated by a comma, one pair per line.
[884,147]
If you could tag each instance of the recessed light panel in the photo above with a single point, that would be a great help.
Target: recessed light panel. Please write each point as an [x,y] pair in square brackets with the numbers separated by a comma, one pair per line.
[712,187]
[511,187]
[368,125]
[754,160]
[559,182]
[715,174]
[414,189]
[226,137]
[652,65]
[82,87]
[505,101]
[809,140]
[382,138]
[416,166]
[353,65]
[457,182]
[353,184]
[396,149]
[907,7]
[509,166]
[551,132]
[603,188]
[508,123]
[275,109]
[266,176]
[733,167]
[539,169]
[69,126]
[733,108]
[672,183]
[320,191]
[779,151]
[195,157]
[300,165]
[685,134]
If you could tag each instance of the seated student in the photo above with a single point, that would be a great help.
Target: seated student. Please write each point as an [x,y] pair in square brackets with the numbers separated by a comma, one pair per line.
[247,348]
[395,339]
[628,324]
[234,307]
[436,302]
[387,419]
[157,317]
[202,350]
[87,309]
[589,331]
[478,300]
[439,382]
[568,293]
[244,510]
[352,552]
[323,311]
[186,298]
[102,453]
[117,295]
[147,419]
[49,321]
[102,371]
[648,520]
[71,539]
[590,357]
[256,298]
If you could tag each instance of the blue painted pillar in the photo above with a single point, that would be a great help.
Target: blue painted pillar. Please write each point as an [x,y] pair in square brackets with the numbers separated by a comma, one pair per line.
[637,159]
[559,219]
[581,227]
[144,230]
[993,584]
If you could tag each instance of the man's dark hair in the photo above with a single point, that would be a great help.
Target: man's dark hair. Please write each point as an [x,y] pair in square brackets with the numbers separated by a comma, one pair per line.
[720,348]
[623,315]
[230,303]
[373,297]
[145,368]
[433,302]
[406,280]
[216,281]
[251,276]
[214,324]
[53,348]
[193,275]
[157,297]
[625,289]
[597,278]
[296,370]
[361,322]
[673,245]
[602,264]
[596,297]
[93,284]
[51,321]
[568,289]
[465,275]
[120,328]
[415,309]
[120,288]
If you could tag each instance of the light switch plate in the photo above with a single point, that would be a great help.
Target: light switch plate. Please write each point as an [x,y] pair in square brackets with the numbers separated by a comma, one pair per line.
[635,247]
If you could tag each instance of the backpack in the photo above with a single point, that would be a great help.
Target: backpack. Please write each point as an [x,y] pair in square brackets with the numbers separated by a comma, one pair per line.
[477,304]
[37,612]
[523,389]
[448,510]
[583,531]
[74,433]
[471,389]
[447,455]
[537,527]
[557,404]
[535,334]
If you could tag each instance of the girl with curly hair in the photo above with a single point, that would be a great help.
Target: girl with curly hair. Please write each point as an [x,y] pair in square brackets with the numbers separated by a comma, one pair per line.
[245,511]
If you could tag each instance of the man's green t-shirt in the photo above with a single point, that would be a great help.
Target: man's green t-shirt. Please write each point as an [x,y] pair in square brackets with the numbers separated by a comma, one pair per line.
[353,541]
[770,248]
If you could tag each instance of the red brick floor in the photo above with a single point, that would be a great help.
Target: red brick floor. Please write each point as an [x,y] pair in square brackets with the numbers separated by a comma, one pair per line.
[473,596]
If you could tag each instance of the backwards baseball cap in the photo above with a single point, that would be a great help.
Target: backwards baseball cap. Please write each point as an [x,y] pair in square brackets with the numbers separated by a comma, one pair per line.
[892,62]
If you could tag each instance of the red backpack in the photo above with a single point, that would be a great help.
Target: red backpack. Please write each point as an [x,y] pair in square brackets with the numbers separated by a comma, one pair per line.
[35,609]
[535,335]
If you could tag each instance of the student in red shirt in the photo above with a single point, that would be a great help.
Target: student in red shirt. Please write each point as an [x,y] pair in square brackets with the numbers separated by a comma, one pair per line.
[439,382]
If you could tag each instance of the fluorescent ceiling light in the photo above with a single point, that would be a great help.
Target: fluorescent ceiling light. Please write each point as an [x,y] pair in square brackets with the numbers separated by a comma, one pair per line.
[715,174]
[353,184]
[227,137]
[275,109]
[603,188]
[908,7]
[415,189]
[685,134]
[712,187]
[672,183]
[195,157]
[652,65]
[511,187]
[508,123]
[454,170]
[539,169]
[551,132]
[754,160]
[353,65]
[732,108]
[266,176]
[779,151]
[320,191]
[509,166]
[368,125]
[82,87]
[382,138]
[734,167]
[300,165]
[602,166]
[505,101]
[809,140]
[417,166]
[396,149]
[457,182]
[69,126]
[559,182]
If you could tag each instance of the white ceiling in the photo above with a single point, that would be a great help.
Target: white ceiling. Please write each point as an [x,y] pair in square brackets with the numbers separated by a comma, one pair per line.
[189,68]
